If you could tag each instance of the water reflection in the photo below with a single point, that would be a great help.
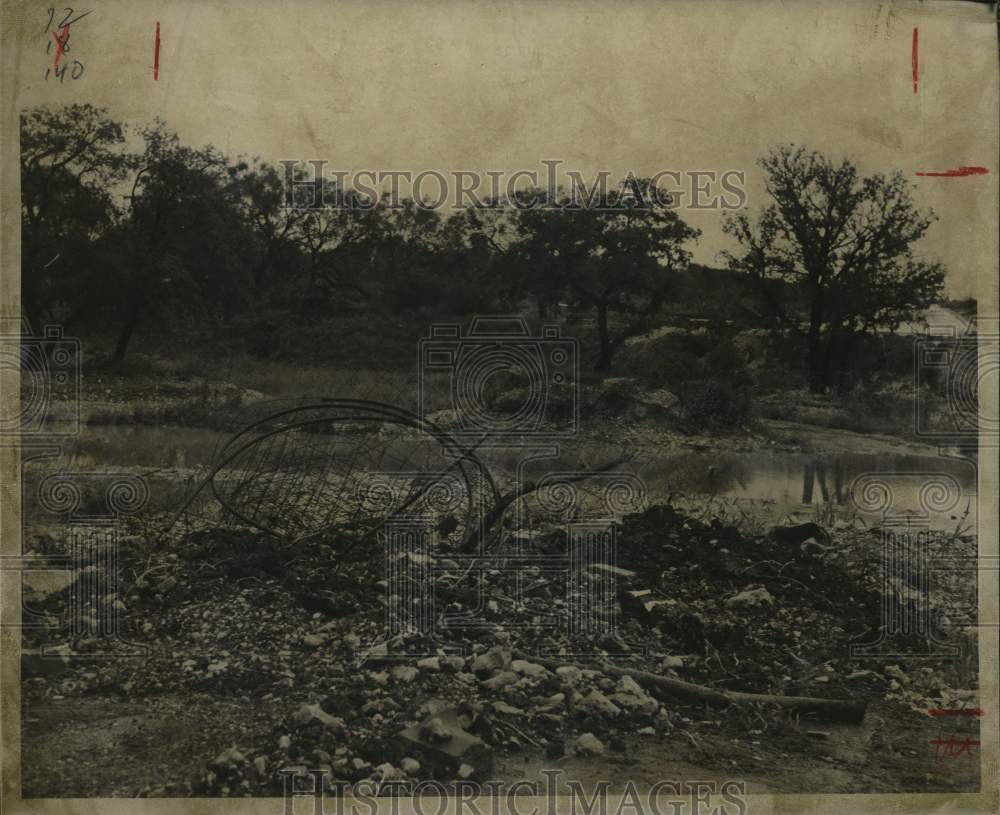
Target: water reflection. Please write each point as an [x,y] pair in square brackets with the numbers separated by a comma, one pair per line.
[789,482]
[814,474]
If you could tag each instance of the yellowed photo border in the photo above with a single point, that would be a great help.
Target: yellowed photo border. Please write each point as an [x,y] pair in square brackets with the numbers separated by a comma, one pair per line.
[830,80]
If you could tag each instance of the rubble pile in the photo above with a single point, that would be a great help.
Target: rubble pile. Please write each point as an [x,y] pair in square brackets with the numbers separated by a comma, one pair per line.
[515,655]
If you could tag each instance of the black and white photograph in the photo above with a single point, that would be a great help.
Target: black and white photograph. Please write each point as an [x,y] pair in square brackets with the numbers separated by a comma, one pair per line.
[500,406]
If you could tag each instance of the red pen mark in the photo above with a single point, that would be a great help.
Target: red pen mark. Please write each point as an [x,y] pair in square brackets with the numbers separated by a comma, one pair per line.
[61,39]
[958,172]
[956,711]
[156,53]
[952,747]
[913,60]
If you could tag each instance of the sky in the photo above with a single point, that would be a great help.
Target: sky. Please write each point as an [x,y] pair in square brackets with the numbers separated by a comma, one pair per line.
[619,86]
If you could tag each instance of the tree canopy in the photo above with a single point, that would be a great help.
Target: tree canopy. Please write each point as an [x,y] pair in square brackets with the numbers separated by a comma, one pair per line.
[845,243]
[136,231]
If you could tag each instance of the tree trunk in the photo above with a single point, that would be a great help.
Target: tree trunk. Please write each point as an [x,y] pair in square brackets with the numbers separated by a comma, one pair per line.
[832,358]
[808,477]
[843,379]
[604,359]
[817,382]
[125,337]
[821,480]
[31,299]
[816,357]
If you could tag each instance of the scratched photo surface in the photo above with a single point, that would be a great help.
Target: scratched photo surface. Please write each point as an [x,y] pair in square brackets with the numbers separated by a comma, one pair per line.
[411,400]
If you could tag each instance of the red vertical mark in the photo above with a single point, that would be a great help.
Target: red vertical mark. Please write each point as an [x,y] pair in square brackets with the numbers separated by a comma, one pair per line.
[61,39]
[156,53]
[913,59]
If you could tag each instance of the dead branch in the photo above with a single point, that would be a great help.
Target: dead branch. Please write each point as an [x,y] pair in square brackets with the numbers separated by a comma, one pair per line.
[832,709]
[505,502]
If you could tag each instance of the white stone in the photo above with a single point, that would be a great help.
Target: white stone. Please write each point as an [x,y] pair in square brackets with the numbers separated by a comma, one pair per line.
[588,745]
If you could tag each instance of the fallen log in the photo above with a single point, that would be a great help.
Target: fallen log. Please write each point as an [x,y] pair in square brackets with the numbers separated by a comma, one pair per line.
[831,709]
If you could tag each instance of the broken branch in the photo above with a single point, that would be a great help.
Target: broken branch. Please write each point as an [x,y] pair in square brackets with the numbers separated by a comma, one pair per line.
[832,709]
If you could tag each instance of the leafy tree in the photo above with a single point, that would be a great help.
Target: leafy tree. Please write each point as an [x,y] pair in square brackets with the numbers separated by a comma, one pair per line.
[615,256]
[335,232]
[180,252]
[553,243]
[261,193]
[473,261]
[71,160]
[845,243]
[639,246]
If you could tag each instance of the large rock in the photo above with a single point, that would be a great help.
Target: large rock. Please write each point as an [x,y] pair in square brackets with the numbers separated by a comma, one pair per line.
[228,759]
[750,598]
[658,403]
[631,696]
[387,772]
[307,714]
[404,673]
[588,745]
[606,570]
[435,731]
[569,674]
[501,680]
[497,658]
[455,664]
[448,755]
[532,669]
[596,704]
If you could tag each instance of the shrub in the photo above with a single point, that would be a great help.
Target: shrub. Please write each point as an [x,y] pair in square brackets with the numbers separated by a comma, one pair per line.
[663,361]
[869,410]
[715,403]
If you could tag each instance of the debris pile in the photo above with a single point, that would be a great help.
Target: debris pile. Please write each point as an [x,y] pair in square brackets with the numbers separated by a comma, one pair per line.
[524,651]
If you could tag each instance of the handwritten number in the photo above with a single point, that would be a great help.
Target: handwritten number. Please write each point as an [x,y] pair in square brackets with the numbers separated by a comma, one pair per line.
[61,35]
[63,40]
[69,13]
[68,18]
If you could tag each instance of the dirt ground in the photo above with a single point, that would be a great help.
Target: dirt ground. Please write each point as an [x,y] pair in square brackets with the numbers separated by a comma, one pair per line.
[103,746]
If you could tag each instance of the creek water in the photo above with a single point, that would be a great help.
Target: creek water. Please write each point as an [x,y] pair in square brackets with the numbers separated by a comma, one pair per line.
[777,482]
